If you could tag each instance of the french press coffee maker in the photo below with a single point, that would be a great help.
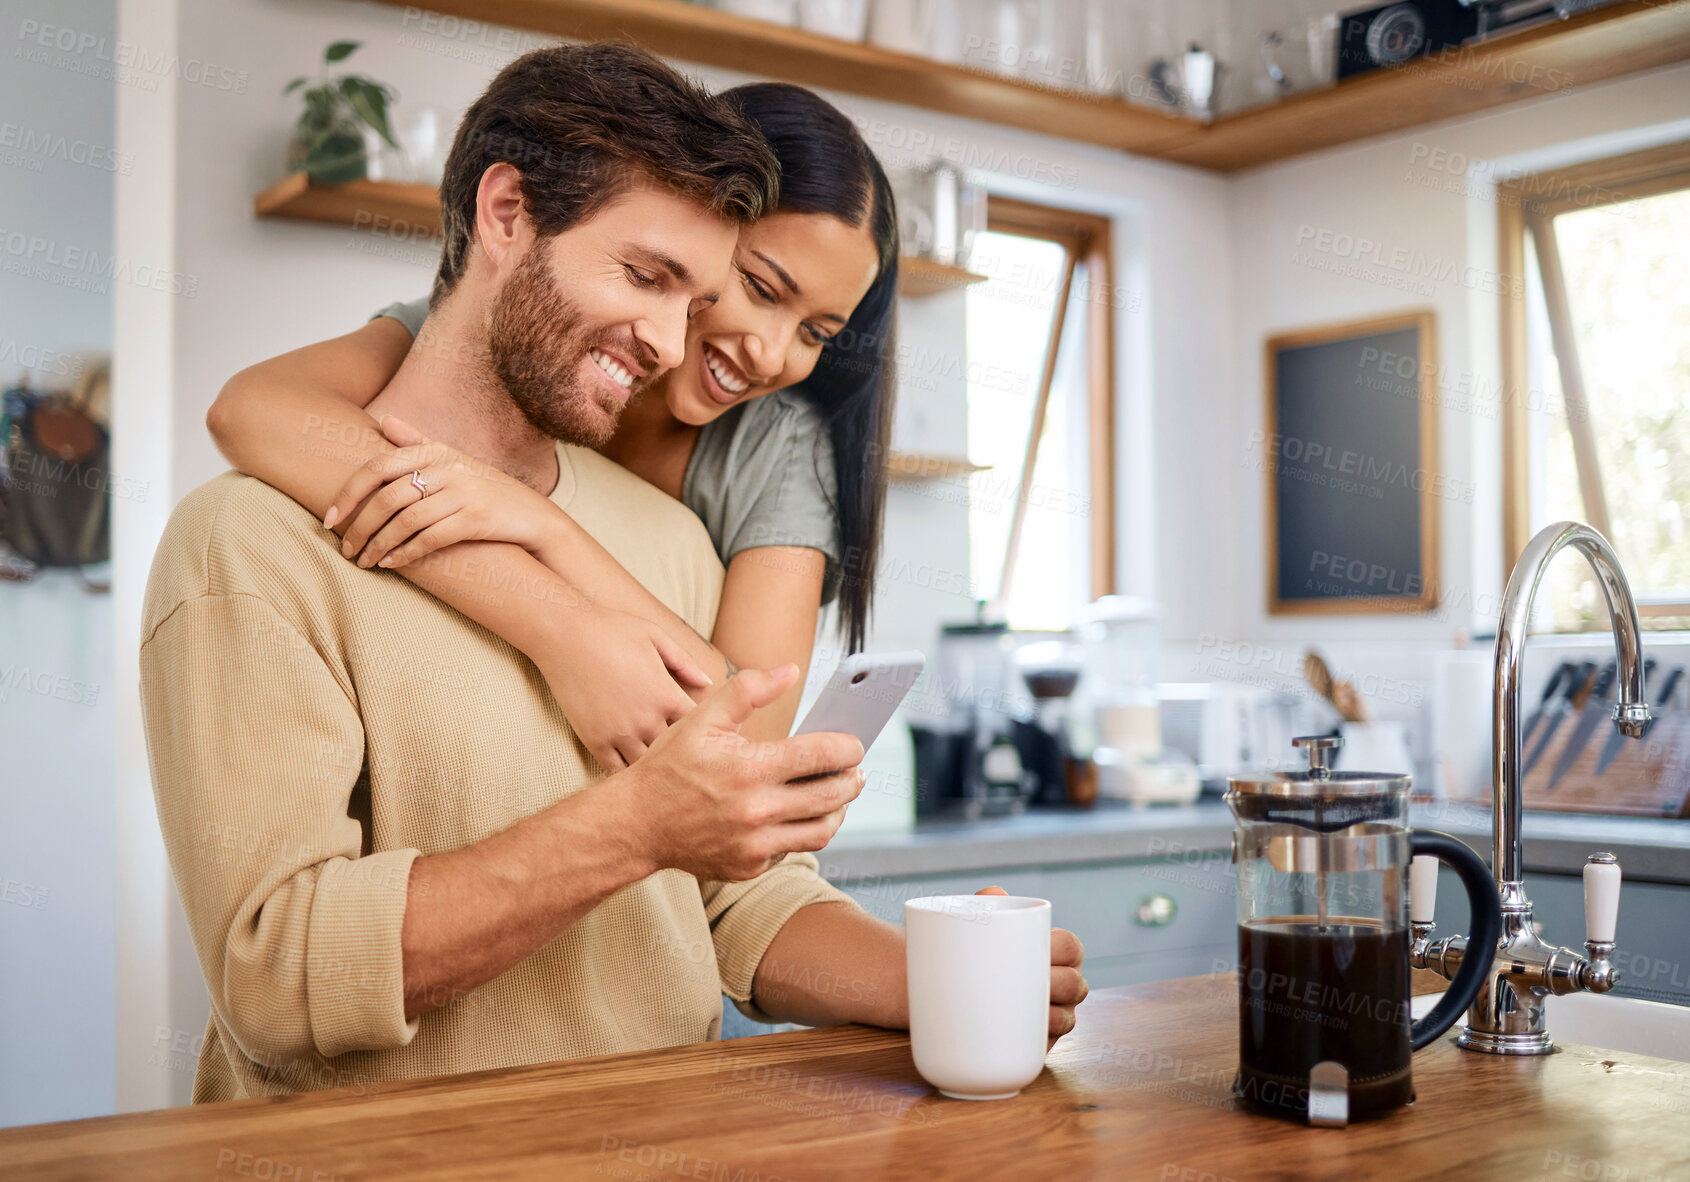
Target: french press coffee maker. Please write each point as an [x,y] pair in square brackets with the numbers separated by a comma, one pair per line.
[1324,1030]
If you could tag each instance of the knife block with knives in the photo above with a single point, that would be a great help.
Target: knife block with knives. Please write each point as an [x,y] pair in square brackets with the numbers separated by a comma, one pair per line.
[1575,761]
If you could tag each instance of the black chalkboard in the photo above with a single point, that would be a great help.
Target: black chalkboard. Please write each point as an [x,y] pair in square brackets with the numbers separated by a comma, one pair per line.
[1349,449]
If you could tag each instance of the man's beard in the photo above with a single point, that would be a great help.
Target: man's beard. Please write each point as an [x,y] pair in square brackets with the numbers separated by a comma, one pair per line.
[537,342]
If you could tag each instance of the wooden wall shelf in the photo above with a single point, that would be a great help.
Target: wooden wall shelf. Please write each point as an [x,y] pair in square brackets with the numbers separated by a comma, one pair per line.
[911,466]
[414,210]
[361,205]
[918,277]
[1543,60]
[1605,43]
[695,33]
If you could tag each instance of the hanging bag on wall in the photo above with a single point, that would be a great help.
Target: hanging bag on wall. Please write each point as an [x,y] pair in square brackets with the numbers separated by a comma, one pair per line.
[58,501]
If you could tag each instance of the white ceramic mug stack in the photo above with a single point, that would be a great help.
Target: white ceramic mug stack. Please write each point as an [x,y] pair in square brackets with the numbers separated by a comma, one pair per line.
[979,988]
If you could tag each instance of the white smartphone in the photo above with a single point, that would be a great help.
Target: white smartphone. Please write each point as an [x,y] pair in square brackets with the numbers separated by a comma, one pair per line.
[862,695]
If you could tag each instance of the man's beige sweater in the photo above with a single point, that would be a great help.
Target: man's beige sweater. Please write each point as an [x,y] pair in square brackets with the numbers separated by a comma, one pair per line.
[314,727]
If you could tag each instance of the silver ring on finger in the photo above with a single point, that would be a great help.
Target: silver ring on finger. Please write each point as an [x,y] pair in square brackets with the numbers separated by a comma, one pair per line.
[418,483]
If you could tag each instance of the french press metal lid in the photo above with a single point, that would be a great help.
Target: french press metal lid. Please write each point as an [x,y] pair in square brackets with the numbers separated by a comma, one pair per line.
[1321,820]
[1320,780]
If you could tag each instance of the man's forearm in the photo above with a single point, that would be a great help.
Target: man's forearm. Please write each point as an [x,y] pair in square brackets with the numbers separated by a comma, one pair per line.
[472,913]
[831,963]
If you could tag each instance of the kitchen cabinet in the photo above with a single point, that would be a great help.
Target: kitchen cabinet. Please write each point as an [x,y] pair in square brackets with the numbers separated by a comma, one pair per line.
[1139,920]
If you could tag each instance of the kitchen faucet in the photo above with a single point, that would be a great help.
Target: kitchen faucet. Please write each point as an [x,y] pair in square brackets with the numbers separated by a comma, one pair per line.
[1507,1016]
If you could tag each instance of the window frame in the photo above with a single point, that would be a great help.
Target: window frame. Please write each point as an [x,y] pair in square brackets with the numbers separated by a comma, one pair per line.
[1535,199]
[1087,240]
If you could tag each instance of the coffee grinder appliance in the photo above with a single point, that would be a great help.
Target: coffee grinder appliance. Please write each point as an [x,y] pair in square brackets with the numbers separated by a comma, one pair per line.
[967,762]
[1054,746]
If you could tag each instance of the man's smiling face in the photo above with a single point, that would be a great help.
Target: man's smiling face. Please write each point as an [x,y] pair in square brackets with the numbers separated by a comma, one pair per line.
[590,316]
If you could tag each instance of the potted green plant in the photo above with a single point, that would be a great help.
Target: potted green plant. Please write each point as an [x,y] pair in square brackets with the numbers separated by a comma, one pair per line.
[328,142]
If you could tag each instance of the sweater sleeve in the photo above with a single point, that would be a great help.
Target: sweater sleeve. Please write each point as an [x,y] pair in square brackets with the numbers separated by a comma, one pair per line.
[744,917]
[256,749]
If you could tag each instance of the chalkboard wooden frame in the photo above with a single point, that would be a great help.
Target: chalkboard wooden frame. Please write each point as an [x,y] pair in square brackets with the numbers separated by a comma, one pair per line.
[1416,594]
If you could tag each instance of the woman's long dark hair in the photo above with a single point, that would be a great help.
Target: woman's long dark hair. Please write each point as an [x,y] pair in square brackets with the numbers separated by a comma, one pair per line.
[826,168]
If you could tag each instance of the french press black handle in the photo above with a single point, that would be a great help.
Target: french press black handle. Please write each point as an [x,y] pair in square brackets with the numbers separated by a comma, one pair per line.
[1483,932]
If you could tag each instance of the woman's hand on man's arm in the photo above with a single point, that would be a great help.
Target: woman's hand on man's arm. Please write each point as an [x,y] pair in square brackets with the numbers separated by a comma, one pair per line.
[640,673]
[390,522]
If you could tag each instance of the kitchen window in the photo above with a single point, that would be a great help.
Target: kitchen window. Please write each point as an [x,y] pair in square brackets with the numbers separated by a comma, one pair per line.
[1596,368]
[1041,392]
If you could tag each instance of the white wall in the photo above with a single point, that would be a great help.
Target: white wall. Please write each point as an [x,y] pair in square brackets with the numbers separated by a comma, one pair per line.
[58,157]
[58,928]
[1412,195]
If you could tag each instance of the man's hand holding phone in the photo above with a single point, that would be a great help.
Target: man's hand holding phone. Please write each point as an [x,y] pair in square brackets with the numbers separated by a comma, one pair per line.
[709,801]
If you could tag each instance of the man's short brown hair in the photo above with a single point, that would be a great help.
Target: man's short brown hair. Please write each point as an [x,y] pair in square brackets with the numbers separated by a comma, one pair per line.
[582,124]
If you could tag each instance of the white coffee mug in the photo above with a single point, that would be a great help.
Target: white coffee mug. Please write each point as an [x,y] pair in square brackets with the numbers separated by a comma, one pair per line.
[979,981]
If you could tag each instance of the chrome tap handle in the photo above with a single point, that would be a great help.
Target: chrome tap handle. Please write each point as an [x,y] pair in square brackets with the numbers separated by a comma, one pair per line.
[1422,894]
[1601,898]
[1601,920]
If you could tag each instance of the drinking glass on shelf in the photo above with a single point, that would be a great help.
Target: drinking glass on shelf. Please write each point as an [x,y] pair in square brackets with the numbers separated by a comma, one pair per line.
[926,200]
[1039,40]
[1057,52]
[382,162]
[1323,49]
[928,28]
[1130,29]
[424,148]
[1163,57]
[915,221]
[778,12]
[1036,55]
[939,214]
[1100,49]
[971,220]
[845,19]
[995,36]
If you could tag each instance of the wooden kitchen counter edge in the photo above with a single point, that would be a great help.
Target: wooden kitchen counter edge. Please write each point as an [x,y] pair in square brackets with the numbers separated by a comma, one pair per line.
[1140,1090]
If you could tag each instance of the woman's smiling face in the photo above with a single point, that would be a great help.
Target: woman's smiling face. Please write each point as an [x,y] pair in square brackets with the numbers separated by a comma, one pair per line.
[796,280]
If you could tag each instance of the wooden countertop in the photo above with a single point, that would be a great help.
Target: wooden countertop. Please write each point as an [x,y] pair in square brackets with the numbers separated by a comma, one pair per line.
[1141,1090]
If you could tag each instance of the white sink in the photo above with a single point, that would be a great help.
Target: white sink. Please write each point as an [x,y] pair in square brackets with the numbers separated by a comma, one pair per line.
[1626,1024]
